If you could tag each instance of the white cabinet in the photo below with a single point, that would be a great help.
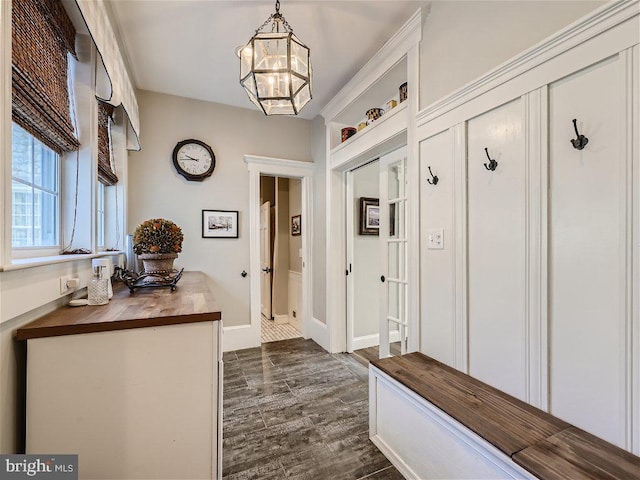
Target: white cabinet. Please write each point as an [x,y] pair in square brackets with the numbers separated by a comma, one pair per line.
[587,232]
[496,239]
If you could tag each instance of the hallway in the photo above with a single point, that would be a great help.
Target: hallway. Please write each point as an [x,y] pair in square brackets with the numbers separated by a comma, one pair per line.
[291,410]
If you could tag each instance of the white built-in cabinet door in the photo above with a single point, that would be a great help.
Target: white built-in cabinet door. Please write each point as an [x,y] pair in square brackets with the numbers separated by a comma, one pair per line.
[497,249]
[586,247]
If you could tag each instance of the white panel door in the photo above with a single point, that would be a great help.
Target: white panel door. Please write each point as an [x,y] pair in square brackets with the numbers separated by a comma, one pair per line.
[265,260]
[586,242]
[496,249]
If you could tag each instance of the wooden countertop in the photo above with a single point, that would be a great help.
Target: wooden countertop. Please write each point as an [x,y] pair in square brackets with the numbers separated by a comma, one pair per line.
[191,302]
[504,421]
[546,446]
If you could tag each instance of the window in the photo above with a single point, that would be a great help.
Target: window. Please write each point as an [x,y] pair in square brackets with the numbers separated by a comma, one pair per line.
[35,184]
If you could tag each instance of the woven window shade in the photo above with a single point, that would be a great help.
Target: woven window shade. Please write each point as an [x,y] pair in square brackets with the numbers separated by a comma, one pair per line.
[42,36]
[106,171]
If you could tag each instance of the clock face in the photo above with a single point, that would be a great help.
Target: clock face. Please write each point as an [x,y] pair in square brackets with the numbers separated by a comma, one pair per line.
[194,159]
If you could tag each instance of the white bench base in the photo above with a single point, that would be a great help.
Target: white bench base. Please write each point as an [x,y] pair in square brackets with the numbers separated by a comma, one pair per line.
[423,442]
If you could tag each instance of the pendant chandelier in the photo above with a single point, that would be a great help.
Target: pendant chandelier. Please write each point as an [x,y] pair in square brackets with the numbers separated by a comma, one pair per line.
[275,68]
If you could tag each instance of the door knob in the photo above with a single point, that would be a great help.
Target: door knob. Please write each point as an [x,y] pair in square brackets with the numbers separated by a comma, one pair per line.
[266,269]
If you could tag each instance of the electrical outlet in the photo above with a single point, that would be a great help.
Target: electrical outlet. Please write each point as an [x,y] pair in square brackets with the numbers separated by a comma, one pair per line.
[69,284]
[435,239]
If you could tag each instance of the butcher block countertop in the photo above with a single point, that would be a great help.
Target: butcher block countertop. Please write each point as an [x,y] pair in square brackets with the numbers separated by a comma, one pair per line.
[192,301]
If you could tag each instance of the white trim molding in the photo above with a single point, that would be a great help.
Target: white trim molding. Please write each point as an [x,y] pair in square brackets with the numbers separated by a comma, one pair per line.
[259,165]
[599,21]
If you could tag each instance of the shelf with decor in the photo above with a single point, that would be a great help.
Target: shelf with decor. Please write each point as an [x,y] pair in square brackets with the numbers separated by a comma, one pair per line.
[382,95]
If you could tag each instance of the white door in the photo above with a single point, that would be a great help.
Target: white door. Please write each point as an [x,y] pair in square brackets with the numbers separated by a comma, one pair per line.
[265,259]
[393,245]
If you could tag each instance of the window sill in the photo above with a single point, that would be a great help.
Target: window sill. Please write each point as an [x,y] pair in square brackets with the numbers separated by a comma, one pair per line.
[22,263]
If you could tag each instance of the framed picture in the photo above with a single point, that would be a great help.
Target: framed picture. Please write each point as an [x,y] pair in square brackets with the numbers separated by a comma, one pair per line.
[369,216]
[296,225]
[219,224]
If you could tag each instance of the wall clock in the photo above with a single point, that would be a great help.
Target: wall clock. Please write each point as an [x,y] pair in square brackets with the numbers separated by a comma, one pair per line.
[193,159]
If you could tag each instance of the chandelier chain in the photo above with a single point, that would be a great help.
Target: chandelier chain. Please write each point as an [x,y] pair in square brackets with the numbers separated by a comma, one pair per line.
[275,19]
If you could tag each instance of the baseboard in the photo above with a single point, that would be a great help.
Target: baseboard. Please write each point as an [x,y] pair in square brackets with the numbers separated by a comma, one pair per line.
[239,337]
[367,341]
[394,458]
[281,319]
[319,333]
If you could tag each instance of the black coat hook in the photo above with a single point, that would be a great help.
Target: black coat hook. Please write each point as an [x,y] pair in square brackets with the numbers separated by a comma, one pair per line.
[434,178]
[244,273]
[492,163]
[581,141]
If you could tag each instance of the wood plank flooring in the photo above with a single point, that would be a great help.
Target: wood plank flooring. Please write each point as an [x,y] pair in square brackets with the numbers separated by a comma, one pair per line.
[293,411]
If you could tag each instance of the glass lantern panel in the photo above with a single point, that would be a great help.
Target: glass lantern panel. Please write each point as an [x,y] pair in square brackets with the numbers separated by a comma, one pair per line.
[278,107]
[272,85]
[249,85]
[270,51]
[245,60]
[302,98]
[299,57]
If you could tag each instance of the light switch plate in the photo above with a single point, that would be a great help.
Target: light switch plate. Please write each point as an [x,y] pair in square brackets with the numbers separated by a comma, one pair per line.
[435,239]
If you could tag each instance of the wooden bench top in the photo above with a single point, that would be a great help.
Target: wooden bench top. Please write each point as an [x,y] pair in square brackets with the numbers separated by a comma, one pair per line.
[191,302]
[544,445]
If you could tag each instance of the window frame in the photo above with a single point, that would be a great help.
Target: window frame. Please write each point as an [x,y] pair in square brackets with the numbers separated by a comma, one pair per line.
[19,251]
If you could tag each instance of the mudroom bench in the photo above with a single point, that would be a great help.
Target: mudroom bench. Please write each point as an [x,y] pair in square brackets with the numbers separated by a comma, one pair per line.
[435,422]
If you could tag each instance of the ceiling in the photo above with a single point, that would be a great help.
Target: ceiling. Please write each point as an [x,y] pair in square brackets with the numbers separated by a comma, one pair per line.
[187,47]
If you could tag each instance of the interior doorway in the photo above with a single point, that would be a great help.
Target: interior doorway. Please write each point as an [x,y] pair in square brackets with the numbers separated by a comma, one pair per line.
[280,258]
[377,252]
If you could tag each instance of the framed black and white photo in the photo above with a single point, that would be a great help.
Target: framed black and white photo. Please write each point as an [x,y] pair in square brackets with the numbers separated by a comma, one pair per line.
[369,216]
[219,224]
[296,225]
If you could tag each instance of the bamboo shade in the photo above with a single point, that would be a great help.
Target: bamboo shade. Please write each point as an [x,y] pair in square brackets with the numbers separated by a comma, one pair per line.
[42,36]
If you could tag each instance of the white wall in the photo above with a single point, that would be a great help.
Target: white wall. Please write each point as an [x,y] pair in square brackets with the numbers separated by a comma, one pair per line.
[462,40]
[367,263]
[158,191]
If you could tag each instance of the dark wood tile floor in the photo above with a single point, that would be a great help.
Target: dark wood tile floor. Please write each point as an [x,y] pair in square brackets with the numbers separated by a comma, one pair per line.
[293,411]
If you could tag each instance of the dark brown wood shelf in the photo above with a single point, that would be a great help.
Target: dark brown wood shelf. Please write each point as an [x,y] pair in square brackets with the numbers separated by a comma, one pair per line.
[544,445]
[192,301]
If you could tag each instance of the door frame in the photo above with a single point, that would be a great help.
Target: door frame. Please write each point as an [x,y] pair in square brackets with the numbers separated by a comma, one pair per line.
[277,167]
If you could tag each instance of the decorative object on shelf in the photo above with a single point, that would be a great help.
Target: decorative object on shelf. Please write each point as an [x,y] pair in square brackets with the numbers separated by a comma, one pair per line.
[157,243]
[369,216]
[275,68]
[492,163]
[391,104]
[374,114]
[219,223]
[402,91]
[362,125]
[434,178]
[348,132]
[580,141]
[150,280]
[194,159]
[296,225]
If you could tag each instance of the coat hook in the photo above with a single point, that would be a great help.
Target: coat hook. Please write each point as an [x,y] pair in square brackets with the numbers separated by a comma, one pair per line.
[244,273]
[492,163]
[434,178]
[581,141]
